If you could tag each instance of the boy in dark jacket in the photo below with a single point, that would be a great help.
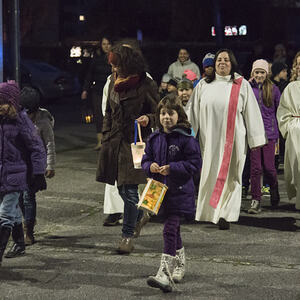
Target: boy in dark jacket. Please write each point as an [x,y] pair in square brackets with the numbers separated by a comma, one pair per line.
[172,156]
[22,155]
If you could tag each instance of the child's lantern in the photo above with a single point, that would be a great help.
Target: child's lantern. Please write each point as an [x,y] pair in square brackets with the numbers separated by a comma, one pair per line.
[137,148]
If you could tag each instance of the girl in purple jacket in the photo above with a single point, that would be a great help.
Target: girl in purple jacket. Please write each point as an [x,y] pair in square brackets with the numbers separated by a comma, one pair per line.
[172,156]
[268,96]
[22,160]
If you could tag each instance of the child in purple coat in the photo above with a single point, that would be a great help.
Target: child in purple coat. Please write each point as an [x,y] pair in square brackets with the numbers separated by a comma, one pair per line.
[22,160]
[172,156]
[268,96]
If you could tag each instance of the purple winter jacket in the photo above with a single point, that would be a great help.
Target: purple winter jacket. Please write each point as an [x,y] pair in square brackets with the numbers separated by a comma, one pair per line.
[22,153]
[182,152]
[268,113]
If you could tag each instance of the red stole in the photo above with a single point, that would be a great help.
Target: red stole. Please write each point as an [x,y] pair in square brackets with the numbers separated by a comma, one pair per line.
[231,117]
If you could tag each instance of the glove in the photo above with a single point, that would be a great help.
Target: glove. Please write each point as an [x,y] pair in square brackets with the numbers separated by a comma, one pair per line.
[38,183]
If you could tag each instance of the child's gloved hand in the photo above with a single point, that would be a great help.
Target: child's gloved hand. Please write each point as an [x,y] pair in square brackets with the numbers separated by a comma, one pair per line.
[49,173]
[38,183]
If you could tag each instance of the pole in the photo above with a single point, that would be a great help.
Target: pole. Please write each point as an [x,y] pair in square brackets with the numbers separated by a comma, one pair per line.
[218,23]
[16,40]
[1,42]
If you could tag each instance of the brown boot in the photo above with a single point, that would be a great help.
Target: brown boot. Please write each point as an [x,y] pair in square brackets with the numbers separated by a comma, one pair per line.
[140,224]
[125,246]
[29,233]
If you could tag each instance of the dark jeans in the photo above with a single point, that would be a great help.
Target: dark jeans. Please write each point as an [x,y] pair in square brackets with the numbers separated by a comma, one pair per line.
[27,204]
[129,194]
[263,159]
[172,238]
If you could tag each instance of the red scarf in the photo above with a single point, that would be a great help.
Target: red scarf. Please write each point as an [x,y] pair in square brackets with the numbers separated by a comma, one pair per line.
[125,84]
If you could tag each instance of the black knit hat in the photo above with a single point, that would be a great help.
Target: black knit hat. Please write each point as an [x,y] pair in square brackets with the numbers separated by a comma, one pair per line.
[277,67]
[172,81]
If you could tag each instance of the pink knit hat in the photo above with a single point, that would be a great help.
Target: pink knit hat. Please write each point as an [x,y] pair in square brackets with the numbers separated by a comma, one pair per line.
[260,64]
[190,75]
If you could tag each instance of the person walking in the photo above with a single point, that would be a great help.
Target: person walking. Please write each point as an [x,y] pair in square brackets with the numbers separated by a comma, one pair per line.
[94,82]
[44,122]
[263,159]
[225,113]
[131,95]
[288,116]
[172,156]
[22,160]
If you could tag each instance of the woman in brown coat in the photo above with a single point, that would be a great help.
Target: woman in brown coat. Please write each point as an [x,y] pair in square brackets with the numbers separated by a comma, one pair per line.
[131,95]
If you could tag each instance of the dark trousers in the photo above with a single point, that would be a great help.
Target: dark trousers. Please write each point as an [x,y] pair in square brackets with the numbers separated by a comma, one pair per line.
[129,194]
[246,171]
[262,159]
[96,99]
[172,238]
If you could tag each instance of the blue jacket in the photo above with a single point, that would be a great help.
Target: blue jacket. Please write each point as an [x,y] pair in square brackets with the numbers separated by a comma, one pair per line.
[268,113]
[22,153]
[182,152]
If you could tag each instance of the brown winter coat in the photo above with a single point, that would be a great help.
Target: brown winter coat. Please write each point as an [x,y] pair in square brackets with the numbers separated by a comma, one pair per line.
[115,160]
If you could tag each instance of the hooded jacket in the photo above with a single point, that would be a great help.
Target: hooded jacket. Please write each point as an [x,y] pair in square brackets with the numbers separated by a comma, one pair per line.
[22,152]
[181,151]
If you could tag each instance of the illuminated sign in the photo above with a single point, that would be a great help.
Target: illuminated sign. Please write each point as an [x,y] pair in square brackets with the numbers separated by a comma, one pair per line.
[231,30]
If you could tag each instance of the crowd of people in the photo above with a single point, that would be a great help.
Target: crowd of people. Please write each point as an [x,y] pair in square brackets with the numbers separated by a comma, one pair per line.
[209,137]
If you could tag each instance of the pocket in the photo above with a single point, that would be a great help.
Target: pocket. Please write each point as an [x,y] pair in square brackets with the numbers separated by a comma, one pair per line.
[16,179]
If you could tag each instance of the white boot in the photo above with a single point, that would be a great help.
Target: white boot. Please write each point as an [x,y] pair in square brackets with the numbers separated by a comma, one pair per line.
[179,270]
[163,279]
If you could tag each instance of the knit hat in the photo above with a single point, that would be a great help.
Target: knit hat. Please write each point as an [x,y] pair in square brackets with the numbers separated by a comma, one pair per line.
[208,60]
[277,67]
[30,99]
[260,64]
[172,81]
[190,75]
[185,84]
[10,93]
[166,77]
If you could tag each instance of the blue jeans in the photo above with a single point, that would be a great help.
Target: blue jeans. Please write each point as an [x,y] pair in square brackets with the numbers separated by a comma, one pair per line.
[28,206]
[10,212]
[129,194]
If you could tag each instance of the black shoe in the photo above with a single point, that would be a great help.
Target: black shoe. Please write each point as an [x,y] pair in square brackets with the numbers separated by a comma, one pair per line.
[15,250]
[223,224]
[113,220]
[4,236]
[275,198]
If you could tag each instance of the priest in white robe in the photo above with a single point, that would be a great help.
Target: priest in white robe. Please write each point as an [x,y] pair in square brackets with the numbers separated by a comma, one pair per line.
[288,117]
[225,112]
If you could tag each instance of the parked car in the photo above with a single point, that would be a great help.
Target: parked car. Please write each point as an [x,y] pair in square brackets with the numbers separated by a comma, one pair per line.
[50,81]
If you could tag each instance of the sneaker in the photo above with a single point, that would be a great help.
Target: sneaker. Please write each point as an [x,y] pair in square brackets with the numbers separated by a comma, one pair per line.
[265,190]
[255,207]
[113,220]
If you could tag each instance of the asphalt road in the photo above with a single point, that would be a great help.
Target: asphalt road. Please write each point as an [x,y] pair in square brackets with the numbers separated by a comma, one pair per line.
[75,258]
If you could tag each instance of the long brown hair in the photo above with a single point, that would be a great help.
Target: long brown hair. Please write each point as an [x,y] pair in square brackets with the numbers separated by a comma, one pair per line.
[267,89]
[294,72]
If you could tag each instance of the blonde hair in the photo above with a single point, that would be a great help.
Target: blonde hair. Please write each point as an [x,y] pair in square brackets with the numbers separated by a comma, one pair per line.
[294,74]
[267,88]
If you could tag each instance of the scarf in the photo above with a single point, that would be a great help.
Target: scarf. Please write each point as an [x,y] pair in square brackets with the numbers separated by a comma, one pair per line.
[125,84]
